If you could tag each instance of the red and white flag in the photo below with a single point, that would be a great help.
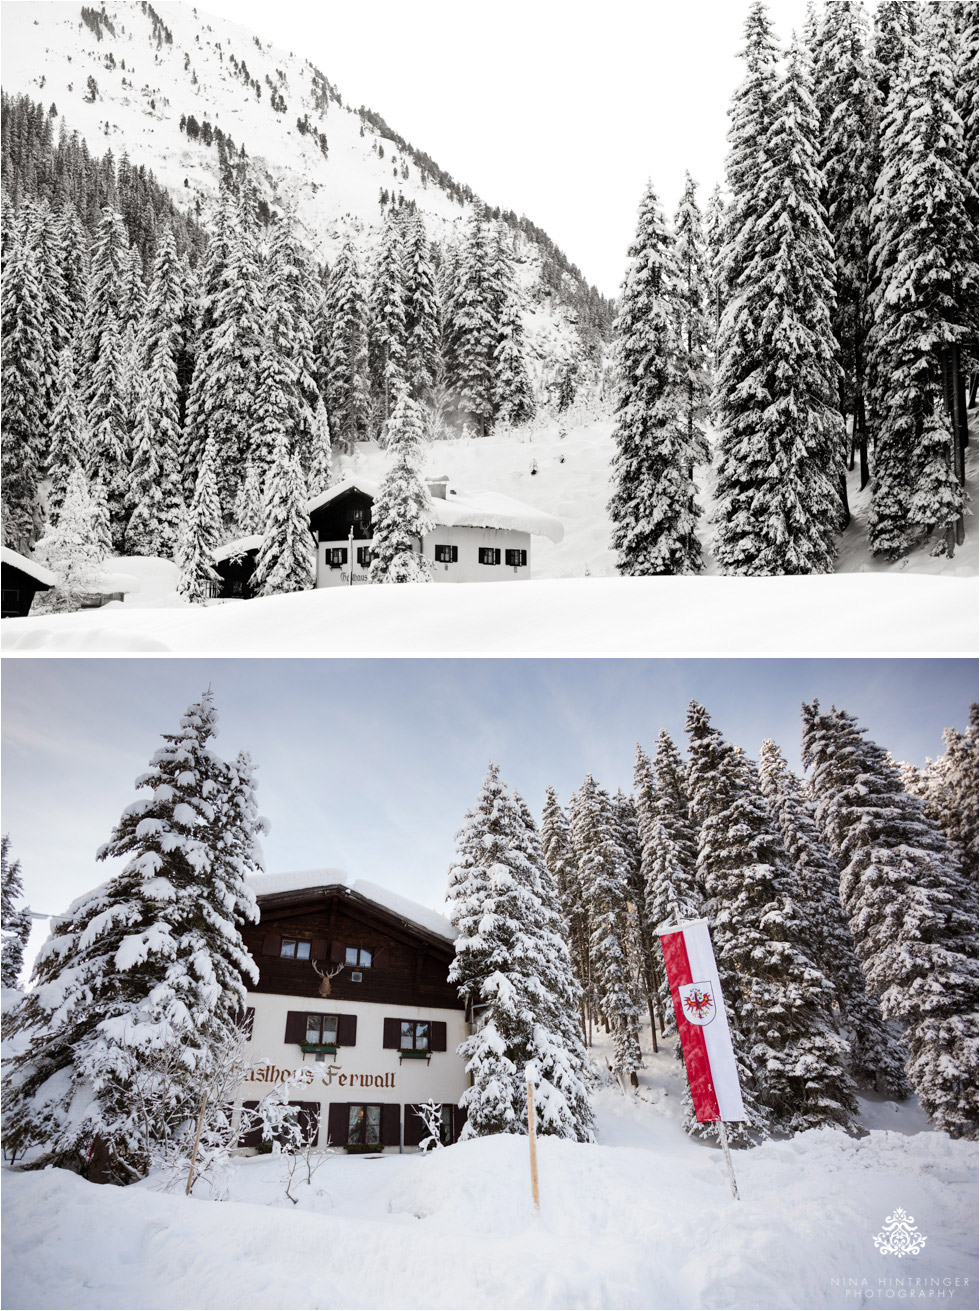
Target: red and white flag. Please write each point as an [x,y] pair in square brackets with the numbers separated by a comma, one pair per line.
[701,1021]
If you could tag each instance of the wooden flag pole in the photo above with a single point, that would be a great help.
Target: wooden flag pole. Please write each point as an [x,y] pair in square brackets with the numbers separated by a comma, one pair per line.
[533,1147]
[723,1139]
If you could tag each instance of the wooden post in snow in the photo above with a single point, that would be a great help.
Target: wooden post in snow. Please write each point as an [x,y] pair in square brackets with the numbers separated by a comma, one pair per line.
[533,1146]
[197,1143]
[723,1139]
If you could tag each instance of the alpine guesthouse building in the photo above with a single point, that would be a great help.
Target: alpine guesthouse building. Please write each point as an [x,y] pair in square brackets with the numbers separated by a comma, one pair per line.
[354,1004]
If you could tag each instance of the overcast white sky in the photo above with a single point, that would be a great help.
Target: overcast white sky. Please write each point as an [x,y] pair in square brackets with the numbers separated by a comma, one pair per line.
[557,110]
[370,765]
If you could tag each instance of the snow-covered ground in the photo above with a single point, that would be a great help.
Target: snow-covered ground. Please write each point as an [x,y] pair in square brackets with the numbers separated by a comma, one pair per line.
[643,1218]
[574,602]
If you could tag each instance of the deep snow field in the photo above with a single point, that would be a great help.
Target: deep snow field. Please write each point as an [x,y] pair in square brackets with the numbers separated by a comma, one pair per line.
[643,1218]
[574,603]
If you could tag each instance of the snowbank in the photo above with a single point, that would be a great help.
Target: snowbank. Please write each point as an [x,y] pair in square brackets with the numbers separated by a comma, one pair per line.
[644,1218]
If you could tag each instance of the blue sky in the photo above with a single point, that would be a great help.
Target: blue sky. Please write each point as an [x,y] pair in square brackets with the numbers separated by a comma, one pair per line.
[370,765]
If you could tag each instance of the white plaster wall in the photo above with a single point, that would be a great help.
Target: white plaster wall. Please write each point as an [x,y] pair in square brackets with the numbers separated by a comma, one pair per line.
[466,570]
[365,1072]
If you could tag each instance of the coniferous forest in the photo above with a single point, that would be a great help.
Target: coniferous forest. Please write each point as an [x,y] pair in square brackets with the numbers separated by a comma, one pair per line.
[175,381]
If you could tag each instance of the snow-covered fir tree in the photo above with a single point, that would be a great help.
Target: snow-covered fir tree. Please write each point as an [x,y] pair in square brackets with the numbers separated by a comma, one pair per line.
[320,468]
[286,560]
[923,263]
[422,327]
[345,367]
[471,333]
[602,867]
[793,1063]
[199,533]
[23,361]
[559,855]
[876,1057]
[74,548]
[714,241]
[845,96]
[248,502]
[906,902]
[514,973]
[694,319]
[402,512]
[948,788]
[653,507]
[292,306]
[68,445]
[15,921]
[513,398]
[781,444]
[387,328]
[151,961]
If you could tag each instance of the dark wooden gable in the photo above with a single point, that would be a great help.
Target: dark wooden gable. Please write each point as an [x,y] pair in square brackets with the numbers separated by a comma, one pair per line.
[19,589]
[236,574]
[333,522]
[409,966]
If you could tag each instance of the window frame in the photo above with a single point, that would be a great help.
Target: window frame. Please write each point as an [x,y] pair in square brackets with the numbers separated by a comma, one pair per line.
[491,551]
[415,1025]
[450,554]
[364,557]
[296,943]
[363,1140]
[359,964]
[322,1019]
[336,557]
[520,562]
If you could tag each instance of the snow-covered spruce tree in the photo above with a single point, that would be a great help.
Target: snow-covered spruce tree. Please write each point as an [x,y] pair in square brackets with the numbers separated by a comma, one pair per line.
[559,855]
[221,403]
[23,360]
[199,533]
[653,509]
[794,1064]
[693,300]
[402,511]
[514,974]
[150,962]
[286,560]
[422,329]
[602,869]
[905,901]
[155,498]
[513,399]
[387,330]
[845,97]
[15,921]
[248,502]
[641,948]
[73,548]
[781,445]
[320,465]
[292,307]
[346,349]
[68,444]
[922,264]
[40,231]
[948,788]
[876,1058]
[717,294]
[470,326]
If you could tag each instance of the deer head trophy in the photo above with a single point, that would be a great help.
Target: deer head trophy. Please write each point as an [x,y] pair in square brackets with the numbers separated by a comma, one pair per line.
[325,978]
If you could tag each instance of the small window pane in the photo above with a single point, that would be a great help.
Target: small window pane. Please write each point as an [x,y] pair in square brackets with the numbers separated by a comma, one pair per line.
[373,1124]
[329,1028]
[313,1028]
[446,1124]
[365,957]
[302,951]
[288,947]
[350,955]
[355,1125]
[422,1037]
[408,1036]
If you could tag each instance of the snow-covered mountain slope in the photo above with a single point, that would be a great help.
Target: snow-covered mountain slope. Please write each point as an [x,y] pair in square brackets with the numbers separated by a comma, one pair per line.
[162,84]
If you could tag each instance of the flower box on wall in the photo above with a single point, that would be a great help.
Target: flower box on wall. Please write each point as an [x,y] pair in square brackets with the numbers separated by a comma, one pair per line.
[360,1149]
[328,1048]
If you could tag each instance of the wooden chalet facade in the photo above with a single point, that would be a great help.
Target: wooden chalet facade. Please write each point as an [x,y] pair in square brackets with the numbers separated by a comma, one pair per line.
[22,579]
[353,1002]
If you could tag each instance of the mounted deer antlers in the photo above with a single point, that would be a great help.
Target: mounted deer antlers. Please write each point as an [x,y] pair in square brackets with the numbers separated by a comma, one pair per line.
[325,978]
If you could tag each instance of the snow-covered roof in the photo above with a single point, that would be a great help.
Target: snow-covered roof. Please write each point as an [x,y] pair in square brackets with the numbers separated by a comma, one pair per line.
[268,885]
[240,546]
[30,567]
[470,509]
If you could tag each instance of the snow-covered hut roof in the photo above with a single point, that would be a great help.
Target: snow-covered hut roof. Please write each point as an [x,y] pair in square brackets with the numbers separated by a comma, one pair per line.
[240,546]
[272,885]
[470,509]
[27,566]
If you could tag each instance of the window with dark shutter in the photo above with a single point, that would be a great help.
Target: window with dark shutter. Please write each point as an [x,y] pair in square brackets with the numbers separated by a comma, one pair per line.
[391,1124]
[437,1036]
[489,555]
[296,1026]
[337,953]
[346,1030]
[250,1136]
[447,554]
[309,1120]
[517,558]
[337,1123]
[459,1119]
[271,944]
[319,949]
[392,1033]
[414,1127]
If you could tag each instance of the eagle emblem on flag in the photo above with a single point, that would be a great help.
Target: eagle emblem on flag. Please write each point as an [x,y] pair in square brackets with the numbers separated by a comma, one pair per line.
[697,1003]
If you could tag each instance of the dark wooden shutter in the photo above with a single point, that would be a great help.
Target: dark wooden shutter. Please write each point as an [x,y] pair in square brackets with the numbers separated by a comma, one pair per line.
[337,953]
[391,1124]
[253,1138]
[319,949]
[337,1118]
[414,1127]
[392,1034]
[309,1120]
[346,1030]
[455,551]
[459,1119]
[272,944]
[437,1035]
[295,1026]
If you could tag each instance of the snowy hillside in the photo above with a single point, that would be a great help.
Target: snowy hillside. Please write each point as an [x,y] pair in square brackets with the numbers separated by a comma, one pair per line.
[643,1218]
[133,82]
